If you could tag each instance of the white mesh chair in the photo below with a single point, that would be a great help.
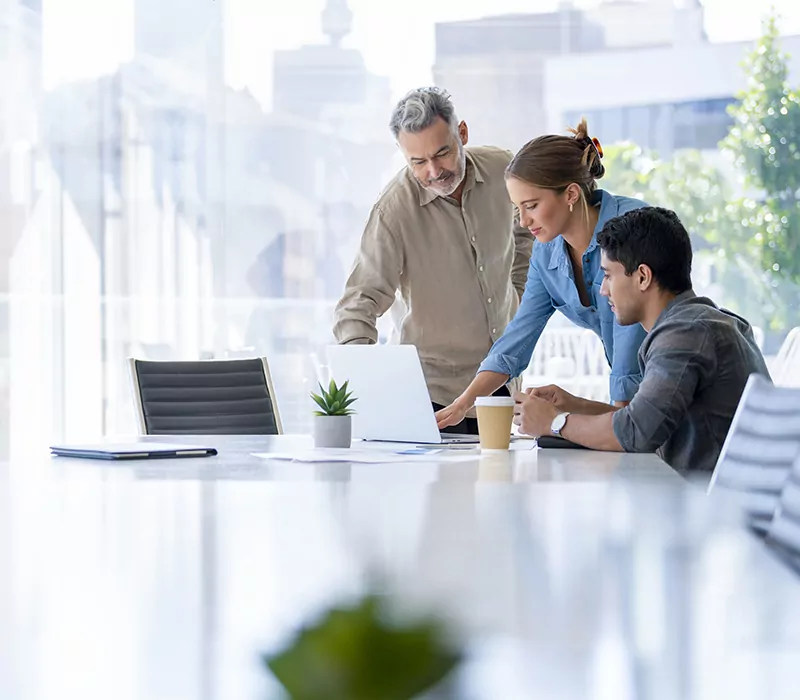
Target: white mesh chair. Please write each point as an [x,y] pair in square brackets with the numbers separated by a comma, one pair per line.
[784,531]
[785,368]
[758,334]
[592,376]
[573,358]
[558,352]
[761,446]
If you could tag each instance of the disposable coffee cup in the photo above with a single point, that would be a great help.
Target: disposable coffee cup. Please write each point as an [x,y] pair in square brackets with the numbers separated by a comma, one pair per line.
[495,417]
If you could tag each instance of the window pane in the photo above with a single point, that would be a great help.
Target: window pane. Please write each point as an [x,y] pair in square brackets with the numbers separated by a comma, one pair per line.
[183,179]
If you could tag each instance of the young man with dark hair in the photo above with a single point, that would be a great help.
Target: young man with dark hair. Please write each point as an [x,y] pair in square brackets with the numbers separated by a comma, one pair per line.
[695,359]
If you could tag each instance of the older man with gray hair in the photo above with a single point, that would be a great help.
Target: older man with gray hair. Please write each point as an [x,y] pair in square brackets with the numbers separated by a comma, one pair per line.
[442,232]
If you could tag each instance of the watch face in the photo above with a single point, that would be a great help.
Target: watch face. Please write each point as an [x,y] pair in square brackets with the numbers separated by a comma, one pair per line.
[558,422]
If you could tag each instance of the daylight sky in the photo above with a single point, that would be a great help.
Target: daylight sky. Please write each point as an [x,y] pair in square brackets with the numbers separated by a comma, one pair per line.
[86,38]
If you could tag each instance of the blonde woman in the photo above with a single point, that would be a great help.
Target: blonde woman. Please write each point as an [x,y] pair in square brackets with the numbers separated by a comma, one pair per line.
[553,183]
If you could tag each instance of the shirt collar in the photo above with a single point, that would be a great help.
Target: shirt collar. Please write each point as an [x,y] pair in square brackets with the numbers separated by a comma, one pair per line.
[668,309]
[472,174]
[609,208]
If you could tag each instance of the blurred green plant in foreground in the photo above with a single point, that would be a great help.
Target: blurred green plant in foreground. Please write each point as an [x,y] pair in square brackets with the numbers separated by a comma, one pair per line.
[367,651]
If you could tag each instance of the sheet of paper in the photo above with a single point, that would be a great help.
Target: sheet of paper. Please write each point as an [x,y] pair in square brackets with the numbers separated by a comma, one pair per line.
[523,445]
[369,457]
[399,447]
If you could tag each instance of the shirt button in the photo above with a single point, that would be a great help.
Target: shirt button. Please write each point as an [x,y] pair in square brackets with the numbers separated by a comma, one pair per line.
[480,269]
[494,330]
[489,300]
[473,239]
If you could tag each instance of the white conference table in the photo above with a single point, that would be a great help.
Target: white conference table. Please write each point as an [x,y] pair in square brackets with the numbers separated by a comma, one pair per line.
[571,574]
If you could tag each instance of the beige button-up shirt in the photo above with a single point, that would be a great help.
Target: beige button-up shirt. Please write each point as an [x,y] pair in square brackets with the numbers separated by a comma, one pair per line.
[460,270]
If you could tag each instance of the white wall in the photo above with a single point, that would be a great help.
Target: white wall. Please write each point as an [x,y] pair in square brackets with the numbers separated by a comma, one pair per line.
[498,95]
[651,23]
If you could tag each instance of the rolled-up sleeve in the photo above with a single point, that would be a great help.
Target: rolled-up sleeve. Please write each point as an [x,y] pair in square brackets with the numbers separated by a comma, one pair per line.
[371,286]
[677,361]
[625,371]
[512,352]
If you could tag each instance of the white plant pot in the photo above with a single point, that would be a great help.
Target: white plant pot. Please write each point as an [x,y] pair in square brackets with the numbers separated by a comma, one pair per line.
[332,431]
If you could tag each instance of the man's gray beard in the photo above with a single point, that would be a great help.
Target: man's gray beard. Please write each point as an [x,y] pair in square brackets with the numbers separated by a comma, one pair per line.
[462,166]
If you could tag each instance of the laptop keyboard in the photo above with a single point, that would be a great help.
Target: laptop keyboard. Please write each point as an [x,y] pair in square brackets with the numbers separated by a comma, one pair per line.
[450,438]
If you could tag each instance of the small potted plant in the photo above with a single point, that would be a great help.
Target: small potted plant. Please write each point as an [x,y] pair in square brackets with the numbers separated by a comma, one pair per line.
[332,422]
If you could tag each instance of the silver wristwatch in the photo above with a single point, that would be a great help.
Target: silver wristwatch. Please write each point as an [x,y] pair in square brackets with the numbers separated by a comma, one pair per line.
[558,423]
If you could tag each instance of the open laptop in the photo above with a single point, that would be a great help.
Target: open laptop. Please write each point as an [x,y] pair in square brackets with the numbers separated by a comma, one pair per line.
[393,402]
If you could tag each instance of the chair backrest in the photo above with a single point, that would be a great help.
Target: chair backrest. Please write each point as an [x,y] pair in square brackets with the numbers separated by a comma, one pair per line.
[573,358]
[785,368]
[784,531]
[207,397]
[761,446]
[558,344]
[758,335]
[595,356]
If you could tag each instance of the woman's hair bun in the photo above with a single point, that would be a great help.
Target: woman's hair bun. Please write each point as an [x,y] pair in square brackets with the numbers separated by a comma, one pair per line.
[592,151]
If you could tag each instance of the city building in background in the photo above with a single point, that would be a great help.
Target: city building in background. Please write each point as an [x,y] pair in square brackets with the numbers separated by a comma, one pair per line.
[21,78]
[631,68]
[495,68]
[665,96]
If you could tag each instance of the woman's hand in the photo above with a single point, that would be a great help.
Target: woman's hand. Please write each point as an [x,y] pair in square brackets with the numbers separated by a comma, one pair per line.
[452,414]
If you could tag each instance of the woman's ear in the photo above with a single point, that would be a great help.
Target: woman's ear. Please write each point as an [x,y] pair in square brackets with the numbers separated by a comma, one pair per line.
[573,194]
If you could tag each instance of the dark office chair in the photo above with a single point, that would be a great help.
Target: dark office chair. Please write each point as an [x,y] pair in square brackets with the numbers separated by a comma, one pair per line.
[209,397]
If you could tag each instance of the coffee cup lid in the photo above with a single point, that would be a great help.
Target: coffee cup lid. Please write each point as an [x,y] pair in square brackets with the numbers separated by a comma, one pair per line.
[494,401]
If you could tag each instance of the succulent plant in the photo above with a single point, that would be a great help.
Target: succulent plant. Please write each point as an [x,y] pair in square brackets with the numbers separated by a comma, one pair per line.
[335,401]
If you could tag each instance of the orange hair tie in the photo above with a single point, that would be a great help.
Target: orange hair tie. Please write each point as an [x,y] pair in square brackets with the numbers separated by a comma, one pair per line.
[598,147]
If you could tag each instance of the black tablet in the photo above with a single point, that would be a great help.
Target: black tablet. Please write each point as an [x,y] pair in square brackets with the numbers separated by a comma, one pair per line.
[132,450]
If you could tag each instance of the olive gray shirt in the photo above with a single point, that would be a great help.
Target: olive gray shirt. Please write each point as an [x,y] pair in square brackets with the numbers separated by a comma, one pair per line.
[695,362]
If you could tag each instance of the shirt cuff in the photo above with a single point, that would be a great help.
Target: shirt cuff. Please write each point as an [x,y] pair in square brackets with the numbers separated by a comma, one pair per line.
[502,364]
[621,424]
[623,388]
[353,331]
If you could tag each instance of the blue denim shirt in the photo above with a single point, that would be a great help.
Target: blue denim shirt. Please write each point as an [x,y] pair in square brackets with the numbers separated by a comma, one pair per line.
[551,287]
